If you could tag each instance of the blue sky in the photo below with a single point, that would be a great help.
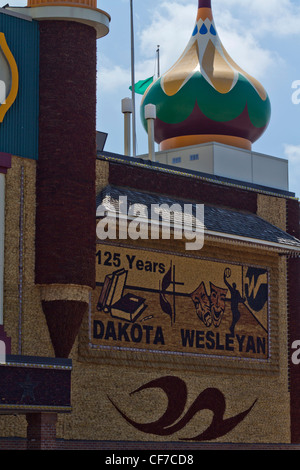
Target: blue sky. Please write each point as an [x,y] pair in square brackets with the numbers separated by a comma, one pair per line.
[262,36]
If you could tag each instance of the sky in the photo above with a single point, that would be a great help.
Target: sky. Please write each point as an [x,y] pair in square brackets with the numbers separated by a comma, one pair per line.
[262,36]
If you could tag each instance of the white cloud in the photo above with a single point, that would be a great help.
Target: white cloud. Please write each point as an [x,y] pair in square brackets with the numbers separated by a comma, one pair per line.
[292,152]
[171,26]
[246,51]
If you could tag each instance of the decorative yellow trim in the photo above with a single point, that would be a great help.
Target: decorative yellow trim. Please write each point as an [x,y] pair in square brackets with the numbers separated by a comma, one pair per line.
[14,77]
[33,408]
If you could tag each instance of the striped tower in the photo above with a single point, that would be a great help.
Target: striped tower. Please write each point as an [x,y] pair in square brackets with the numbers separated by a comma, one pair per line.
[65,215]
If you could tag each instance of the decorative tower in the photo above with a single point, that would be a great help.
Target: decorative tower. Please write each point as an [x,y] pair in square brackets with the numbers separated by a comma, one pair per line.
[65,185]
[206,96]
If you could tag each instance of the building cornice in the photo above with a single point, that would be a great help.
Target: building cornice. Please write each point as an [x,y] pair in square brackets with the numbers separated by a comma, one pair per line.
[5,162]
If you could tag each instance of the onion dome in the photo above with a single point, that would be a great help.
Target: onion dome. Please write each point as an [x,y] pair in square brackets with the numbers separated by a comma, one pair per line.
[206,96]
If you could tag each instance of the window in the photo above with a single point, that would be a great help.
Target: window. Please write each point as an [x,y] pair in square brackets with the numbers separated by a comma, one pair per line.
[194,156]
[176,160]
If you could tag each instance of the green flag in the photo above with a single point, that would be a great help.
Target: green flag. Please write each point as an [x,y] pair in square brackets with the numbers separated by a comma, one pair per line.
[141,86]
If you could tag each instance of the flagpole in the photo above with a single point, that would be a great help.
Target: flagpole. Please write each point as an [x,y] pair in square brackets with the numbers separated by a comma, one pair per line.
[132,82]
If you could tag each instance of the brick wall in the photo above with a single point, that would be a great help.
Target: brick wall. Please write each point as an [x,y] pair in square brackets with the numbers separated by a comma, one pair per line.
[65,189]
[182,187]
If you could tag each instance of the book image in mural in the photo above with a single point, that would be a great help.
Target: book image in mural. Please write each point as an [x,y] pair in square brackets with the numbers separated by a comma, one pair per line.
[174,304]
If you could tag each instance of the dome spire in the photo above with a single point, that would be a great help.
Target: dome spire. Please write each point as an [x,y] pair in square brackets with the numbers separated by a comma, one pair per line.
[205,96]
[204,3]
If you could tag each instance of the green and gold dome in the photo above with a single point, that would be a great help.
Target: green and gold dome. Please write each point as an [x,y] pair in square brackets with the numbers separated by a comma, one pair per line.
[206,96]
